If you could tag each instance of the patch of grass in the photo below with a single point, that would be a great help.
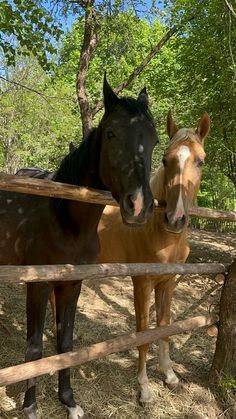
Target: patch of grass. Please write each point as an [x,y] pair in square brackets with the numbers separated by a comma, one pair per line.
[227,386]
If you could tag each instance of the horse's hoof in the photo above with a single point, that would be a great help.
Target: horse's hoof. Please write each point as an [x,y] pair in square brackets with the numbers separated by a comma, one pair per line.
[30,412]
[76,413]
[175,387]
[146,400]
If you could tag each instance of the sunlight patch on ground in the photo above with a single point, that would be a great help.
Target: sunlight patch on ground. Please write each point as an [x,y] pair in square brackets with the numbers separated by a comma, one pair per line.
[6,403]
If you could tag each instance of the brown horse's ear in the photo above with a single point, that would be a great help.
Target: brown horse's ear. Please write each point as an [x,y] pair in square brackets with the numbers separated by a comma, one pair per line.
[203,126]
[143,97]
[109,96]
[171,126]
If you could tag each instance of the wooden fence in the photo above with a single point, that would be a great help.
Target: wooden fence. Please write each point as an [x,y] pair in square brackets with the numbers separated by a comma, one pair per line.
[35,273]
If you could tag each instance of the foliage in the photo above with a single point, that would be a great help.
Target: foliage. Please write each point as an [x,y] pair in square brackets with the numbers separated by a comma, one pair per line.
[120,50]
[227,386]
[208,76]
[28,25]
[35,130]
[194,72]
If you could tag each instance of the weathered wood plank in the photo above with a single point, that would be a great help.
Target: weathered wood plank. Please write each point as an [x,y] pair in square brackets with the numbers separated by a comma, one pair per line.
[212,214]
[44,187]
[55,363]
[40,273]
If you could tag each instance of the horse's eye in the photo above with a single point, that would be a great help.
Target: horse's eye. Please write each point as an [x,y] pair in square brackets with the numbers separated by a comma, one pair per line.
[110,134]
[200,163]
[164,162]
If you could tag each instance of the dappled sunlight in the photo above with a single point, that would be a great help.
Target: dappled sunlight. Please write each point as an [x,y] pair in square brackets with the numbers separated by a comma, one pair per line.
[107,388]
[6,403]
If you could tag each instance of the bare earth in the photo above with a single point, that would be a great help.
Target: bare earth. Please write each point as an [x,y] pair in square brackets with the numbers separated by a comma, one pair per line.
[107,388]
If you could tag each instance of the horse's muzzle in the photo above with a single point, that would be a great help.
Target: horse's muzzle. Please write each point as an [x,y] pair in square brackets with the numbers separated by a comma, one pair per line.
[173,224]
[136,213]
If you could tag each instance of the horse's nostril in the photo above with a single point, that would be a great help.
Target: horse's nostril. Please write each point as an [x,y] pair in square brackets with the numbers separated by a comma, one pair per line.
[128,204]
[180,222]
[166,217]
[151,207]
[175,224]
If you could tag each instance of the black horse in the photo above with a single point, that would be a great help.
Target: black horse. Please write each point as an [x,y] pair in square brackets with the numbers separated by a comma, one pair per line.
[115,156]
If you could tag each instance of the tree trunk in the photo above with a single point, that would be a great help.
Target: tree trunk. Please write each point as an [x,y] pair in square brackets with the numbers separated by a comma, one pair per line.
[224,362]
[89,44]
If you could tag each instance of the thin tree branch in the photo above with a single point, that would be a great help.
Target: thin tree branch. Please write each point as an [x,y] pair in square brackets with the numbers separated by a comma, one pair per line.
[230,7]
[25,87]
[144,63]
[32,90]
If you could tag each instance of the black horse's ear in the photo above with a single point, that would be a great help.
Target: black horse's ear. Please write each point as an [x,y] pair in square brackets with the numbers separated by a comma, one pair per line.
[71,147]
[143,97]
[110,98]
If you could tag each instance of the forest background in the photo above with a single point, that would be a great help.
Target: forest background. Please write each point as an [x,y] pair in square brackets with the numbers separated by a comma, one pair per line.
[52,60]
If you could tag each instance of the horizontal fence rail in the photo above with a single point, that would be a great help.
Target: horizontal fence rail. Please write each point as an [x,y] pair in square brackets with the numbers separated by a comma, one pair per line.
[44,187]
[50,273]
[212,214]
[55,363]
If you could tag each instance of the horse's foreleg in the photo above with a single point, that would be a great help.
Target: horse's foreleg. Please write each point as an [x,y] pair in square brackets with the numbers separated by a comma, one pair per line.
[142,293]
[163,297]
[53,308]
[66,296]
[37,297]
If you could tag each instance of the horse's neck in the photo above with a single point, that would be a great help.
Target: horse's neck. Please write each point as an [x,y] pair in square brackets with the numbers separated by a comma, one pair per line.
[91,176]
[74,215]
[81,166]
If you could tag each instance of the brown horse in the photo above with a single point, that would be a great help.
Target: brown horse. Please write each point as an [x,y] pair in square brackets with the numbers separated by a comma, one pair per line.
[35,230]
[163,239]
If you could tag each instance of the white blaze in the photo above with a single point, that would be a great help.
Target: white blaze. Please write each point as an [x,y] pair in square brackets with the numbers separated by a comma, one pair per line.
[140,148]
[138,202]
[183,153]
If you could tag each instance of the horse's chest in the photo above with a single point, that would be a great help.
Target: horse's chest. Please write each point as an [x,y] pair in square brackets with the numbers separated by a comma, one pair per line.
[53,245]
[31,233]
[79,250]
[170,249]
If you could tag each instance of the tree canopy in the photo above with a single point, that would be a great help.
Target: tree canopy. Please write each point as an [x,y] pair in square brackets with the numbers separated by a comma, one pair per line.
[51,76]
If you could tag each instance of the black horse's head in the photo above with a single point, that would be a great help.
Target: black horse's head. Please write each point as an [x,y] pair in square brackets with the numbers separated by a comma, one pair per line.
[128,139]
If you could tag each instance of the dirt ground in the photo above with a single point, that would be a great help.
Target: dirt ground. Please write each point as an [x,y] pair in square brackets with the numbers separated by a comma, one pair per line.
[107,388]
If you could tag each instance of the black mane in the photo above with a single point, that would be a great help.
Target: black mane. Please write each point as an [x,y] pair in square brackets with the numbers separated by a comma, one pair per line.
[135,107]
[74,165]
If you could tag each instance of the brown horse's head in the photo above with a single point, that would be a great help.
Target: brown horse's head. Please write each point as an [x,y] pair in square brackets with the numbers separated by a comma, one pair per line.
[182,162]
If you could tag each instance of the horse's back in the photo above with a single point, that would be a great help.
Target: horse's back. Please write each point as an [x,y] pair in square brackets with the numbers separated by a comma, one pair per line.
[22,225]
[32,233]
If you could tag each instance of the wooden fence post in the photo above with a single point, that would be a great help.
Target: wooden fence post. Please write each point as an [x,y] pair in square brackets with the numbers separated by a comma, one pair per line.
[224,362]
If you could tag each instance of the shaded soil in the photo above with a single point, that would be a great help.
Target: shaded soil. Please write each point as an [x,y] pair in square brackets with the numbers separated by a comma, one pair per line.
[107,388]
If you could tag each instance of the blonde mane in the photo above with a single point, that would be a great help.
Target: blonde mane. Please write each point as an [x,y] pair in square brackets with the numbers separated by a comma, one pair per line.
[184,134]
